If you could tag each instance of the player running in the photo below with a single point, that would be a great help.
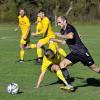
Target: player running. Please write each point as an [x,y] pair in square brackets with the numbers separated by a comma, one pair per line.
[47,34]
[78,50]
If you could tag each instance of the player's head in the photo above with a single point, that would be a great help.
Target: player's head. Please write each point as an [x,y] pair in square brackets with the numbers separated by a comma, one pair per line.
[49,54]
[22,12]
[61,21]
[41,13]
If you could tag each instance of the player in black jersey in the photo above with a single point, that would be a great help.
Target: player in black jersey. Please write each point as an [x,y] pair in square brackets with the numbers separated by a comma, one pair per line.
[79,52]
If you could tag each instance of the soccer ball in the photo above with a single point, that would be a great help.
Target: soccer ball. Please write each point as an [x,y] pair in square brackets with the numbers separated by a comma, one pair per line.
[13,88]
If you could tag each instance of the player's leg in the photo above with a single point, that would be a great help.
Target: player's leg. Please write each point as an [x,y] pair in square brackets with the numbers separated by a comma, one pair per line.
[68,60]
[95,68]
[32,46]
[60,76]
[39,45]
[64,63]
[22,52]
[87,60]
[59,73]
[22,49]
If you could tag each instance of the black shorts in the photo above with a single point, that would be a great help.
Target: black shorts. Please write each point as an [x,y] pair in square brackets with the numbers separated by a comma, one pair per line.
[85,58]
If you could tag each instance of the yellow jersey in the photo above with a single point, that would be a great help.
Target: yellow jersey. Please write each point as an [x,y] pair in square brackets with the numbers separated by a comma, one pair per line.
[39,25]
[24,23]
[46,63]
[46,28]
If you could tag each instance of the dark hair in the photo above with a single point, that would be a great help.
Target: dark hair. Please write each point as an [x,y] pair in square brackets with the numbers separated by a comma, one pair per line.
[49,54]
[64,17]
[41,10]
[23,9]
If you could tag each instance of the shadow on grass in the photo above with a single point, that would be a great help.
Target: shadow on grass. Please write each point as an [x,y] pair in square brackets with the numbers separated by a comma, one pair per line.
[29,60]
[72,79]
[89,82]
[20,92]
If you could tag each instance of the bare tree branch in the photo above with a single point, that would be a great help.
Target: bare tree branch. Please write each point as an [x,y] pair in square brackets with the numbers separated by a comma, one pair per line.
[70,8]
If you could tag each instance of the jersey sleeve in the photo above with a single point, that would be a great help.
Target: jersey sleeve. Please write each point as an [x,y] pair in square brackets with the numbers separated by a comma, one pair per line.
[70,29]
[45,64]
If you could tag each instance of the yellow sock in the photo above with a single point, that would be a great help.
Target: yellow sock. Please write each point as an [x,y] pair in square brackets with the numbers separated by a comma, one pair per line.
[62,52]
[22,54]
[60,75]
[32,46]
[39,52]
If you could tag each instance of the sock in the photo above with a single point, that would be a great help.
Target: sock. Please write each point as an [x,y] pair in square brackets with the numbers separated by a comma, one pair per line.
[62,52]
[66,74]
[32,46]
[60,76]
[39,52]
[22,54]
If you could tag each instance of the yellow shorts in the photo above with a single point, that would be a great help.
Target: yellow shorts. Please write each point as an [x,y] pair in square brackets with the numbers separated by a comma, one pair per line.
[44,40]
[53,46]
[24,42]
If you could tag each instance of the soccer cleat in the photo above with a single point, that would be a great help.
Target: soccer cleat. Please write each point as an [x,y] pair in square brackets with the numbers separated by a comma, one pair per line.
[21,61]
[68,88]
[38,60]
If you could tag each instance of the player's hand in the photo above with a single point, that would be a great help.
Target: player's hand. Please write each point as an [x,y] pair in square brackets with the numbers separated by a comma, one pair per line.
[16,29]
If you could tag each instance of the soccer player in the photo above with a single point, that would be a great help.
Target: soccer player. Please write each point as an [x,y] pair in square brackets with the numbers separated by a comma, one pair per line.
[24,25]
[47,33]
[79,52]
[51,61]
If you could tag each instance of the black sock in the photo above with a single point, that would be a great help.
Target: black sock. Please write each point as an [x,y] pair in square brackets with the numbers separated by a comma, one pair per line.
[99,72]
[66,74]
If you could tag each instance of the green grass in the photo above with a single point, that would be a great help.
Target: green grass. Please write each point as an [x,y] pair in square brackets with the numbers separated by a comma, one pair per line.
[26,74]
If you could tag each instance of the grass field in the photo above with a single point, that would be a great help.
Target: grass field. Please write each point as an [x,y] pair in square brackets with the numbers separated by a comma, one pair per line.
[26,74]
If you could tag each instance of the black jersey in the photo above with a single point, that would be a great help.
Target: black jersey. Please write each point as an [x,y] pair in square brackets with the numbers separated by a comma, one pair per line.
[74,44]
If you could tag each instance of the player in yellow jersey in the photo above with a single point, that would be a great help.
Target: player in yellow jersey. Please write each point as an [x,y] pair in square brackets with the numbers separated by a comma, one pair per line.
[24,25]
[51,61]
[47,34]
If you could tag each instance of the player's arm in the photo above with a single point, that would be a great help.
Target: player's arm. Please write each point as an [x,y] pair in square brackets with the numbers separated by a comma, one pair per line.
[44,67]
[58,40]
[66,36]
[17,28]
[43,30]
[41,76]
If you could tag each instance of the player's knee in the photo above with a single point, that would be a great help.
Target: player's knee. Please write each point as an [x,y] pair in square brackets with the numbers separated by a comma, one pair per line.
[62,64]
[22,47]
[55,67]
